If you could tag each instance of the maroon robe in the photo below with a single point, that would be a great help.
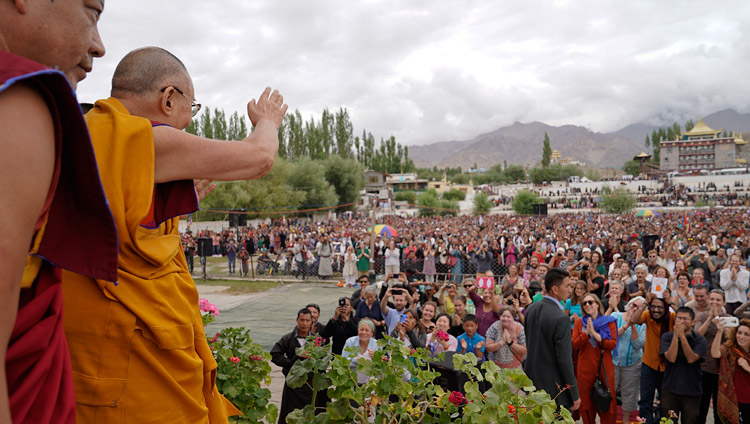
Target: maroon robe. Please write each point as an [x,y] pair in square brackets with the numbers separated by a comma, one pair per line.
[79,236]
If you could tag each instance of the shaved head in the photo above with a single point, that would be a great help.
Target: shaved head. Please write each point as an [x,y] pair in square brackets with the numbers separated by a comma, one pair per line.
[145,70]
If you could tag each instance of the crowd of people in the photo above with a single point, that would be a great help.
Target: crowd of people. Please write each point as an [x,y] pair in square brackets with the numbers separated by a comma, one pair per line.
[646,303]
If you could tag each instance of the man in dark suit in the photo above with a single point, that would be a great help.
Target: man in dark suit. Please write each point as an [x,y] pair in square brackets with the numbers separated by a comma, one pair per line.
[549,362]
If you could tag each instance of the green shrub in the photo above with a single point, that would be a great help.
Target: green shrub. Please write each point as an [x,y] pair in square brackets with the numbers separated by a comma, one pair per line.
[401,388]
[454,194]
[242,367]
[619,200]
[406,196]
[523,201]
[482,203]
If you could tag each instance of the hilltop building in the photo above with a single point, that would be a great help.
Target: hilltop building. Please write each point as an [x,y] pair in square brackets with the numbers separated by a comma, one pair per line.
[703,148]
[556,158]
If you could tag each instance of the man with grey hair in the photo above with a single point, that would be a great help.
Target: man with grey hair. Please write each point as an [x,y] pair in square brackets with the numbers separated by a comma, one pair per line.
[641,284]
[144,340]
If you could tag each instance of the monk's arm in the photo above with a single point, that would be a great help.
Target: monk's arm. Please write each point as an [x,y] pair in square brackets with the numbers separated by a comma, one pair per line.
[26,165]
[183,156]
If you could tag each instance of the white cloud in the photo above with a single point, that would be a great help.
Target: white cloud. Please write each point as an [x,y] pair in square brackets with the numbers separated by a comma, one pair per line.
[429,71]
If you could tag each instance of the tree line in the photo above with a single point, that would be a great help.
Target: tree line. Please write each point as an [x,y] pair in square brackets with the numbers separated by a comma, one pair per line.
[332,134]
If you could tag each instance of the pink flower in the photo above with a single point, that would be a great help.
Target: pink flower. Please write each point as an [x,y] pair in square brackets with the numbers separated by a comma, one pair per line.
[318,341]
[206,306]
[442,335]
[456,398]
[234,359]
[214,338]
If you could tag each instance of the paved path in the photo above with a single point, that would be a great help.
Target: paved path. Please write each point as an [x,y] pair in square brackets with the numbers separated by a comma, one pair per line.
[271,314]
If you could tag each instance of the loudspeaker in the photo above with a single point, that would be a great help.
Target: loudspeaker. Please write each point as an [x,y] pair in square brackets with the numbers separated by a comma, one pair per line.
[205,247]
[539,209]
[238,219]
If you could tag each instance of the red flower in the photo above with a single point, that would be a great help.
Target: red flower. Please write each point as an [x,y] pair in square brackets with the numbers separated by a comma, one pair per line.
[214,338]
[234,359]
[456,398]
[318,341]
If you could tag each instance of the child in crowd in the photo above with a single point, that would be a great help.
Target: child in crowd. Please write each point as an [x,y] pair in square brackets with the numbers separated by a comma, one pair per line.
[470,340]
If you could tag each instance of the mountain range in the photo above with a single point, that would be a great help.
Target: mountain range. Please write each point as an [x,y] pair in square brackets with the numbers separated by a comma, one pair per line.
[521,143]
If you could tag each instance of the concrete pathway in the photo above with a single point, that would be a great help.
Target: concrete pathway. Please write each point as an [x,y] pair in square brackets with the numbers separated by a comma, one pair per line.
[271,314]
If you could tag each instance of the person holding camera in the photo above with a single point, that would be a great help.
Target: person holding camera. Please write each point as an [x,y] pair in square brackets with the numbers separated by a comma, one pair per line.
[734,371]
[411,331]
[341,327]
[487,306]
[401,299]
[484,260]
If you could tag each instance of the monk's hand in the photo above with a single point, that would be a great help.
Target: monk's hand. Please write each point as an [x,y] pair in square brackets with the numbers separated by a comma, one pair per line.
[203,188]
[270,106]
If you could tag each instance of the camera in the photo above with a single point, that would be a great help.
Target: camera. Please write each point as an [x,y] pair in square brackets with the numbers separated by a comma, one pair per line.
[342,302]
[398,292]
[585,268]
[402,320]
[509,301]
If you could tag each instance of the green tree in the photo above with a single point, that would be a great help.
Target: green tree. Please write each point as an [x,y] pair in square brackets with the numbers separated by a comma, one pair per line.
[448,207]
[219,125]
[193,127]
[428,200]
[619,200]
[514,173]
[347,177]
[408,196]
[460,178]
[206,127]
[237,129]
[523,201]
[344,134]
[546,151]
[454,194]
[482,203]
[309,176]
[632,167]
[270,193]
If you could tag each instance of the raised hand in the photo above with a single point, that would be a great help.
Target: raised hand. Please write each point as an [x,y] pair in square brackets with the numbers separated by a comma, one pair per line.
[270,105]
[203,188]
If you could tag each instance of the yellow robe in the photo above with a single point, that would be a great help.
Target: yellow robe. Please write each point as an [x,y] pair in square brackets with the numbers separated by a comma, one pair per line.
[138,348]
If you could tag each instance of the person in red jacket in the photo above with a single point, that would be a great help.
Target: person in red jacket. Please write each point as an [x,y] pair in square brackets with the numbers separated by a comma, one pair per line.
[594,337]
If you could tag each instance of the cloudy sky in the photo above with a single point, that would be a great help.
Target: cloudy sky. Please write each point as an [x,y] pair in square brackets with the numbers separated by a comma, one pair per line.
[432,70]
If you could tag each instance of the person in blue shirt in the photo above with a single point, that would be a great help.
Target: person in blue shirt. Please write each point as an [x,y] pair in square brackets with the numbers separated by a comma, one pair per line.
[470,340]
[630,341]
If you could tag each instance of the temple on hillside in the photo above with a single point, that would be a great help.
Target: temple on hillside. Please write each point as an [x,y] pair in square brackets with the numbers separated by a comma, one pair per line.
[556,158]
[703,148]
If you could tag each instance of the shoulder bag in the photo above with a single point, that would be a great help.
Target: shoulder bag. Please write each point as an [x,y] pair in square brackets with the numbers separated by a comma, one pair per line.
[600,394]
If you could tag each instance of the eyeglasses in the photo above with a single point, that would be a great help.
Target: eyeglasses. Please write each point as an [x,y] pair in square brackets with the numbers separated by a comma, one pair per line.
[194,107]
[588,302]
[656,308]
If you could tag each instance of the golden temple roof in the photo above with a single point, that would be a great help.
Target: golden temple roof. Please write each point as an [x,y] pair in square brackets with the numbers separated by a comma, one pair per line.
[702,129]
